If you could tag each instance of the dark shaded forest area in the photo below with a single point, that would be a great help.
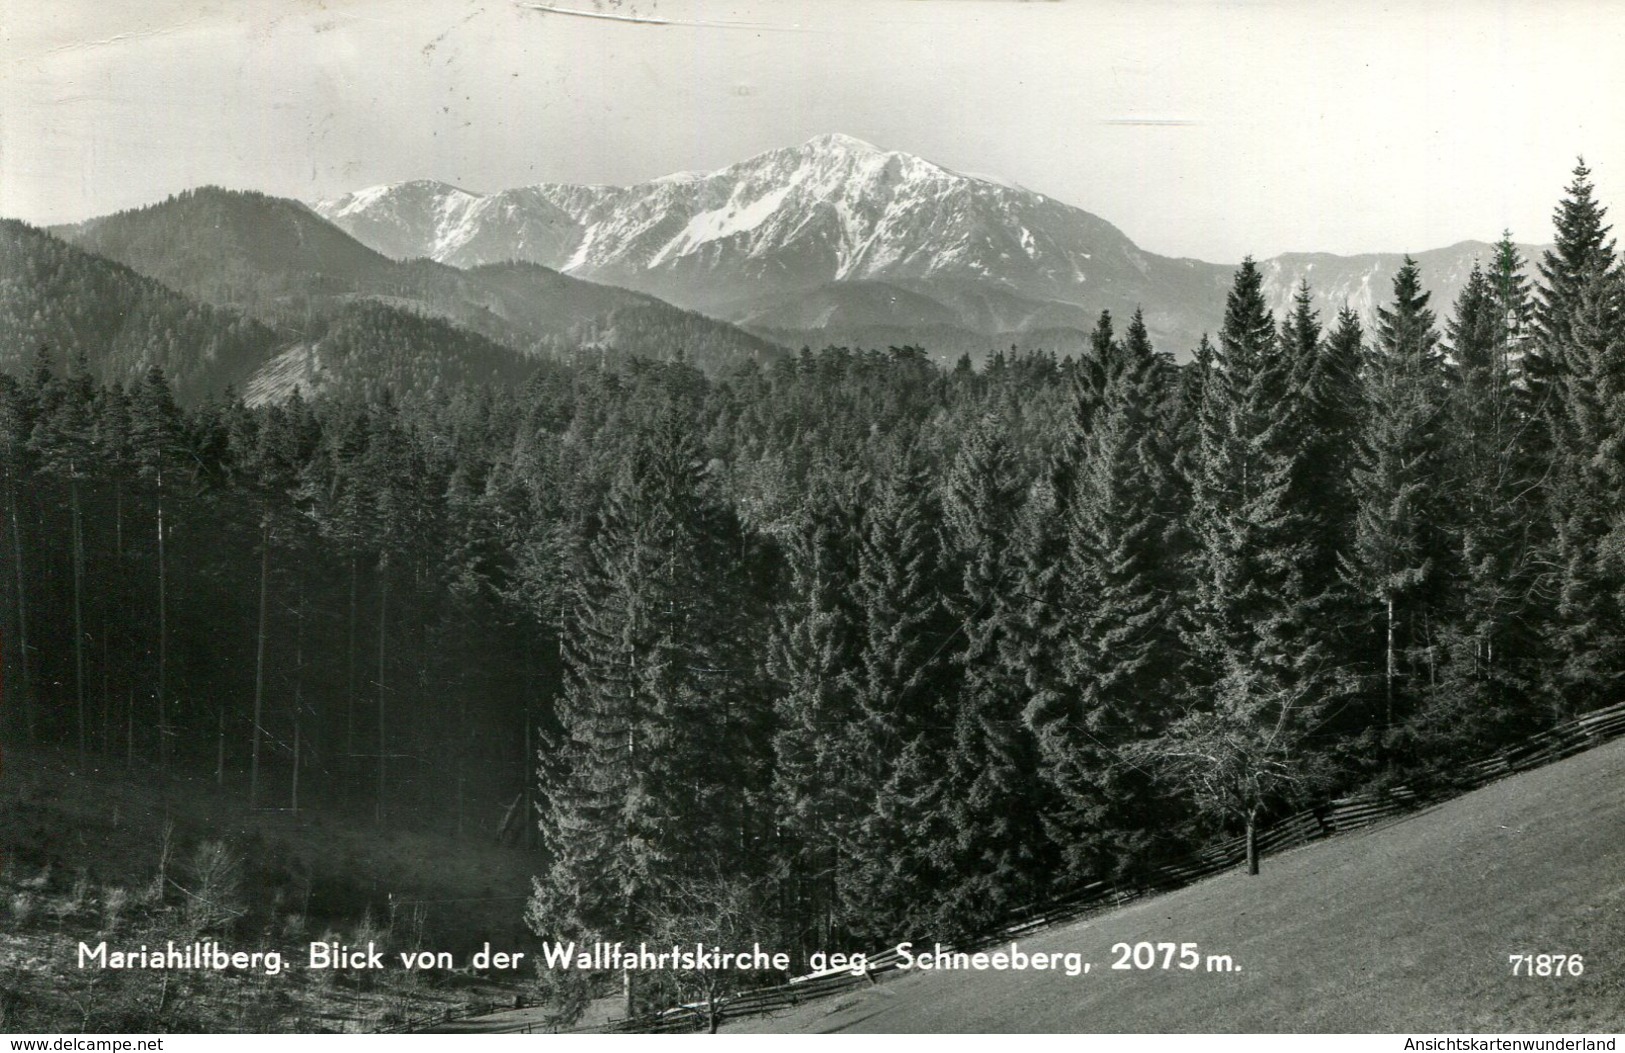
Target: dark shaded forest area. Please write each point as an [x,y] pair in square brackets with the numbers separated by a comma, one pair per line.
[847,648]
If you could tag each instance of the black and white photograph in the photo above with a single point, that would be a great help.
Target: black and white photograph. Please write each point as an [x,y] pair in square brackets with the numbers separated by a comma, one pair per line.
[582,517]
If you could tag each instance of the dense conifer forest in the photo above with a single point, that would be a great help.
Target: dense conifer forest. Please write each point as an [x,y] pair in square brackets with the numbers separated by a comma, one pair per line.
[846,648]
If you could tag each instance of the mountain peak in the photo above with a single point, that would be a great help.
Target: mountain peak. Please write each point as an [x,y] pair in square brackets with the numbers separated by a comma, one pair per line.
[367,197]
[840,141]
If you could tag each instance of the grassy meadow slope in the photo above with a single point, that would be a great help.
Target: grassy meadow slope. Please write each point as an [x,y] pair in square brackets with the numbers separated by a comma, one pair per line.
[1405,927]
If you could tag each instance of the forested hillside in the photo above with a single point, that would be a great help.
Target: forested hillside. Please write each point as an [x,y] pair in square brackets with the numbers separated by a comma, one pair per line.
[845,648]
[277,261]
[55,296]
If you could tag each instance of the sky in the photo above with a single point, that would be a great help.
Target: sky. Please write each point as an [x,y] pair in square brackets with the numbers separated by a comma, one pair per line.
[1205,129]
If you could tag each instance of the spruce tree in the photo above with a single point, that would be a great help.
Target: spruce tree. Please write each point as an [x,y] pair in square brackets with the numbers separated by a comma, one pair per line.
[997,857]
[1586,500]
[1251,530]
[1258,669]
[649,787]
[1483,683]
[815,649]
[1328,377]
[900,687]
[1397,562]
[1121,658]
[1576,386]
[1583,248]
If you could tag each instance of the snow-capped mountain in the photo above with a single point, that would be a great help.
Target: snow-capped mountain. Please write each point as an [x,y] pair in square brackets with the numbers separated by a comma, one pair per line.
[832,210]
[836,234]
[444,223]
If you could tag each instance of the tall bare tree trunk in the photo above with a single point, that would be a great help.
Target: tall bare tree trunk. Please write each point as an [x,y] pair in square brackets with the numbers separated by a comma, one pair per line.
[78,605]
[259,658]
[1252,842]
[107,687]
[22,615]
[349,699]
[383,643]
[1389,681]
[527,839]
[298,691]
[163,634]
[107,634]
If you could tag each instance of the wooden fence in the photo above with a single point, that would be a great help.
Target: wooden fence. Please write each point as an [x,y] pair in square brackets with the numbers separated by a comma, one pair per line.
[1312,824]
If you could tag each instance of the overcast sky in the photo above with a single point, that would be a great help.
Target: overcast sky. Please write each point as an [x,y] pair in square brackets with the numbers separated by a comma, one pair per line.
[1201,129]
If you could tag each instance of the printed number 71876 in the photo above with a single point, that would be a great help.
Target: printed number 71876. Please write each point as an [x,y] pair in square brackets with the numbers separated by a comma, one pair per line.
[1547,964]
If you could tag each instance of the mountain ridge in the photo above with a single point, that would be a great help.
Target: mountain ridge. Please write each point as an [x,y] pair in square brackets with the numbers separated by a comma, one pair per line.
[278,261]
[743,242]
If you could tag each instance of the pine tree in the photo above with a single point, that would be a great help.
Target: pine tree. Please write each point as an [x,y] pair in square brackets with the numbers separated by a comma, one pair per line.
[389,475]
[344,516]
[63,441]
[265,457]
[110,435]
[15,467]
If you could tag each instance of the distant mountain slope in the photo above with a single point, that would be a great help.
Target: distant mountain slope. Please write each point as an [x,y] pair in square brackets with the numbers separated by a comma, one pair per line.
[446,223]
[1367,282]
[290,268]
[791,220]
[943,344]
[368,347]
[236,247]
[55,295]
[842,305]
[824,221]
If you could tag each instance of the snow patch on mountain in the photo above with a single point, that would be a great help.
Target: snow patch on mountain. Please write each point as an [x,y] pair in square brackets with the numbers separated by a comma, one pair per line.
[679,177]
[359,201]
[721,223]
[456,219]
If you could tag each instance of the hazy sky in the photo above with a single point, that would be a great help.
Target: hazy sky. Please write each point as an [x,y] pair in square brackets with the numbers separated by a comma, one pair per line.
[1200,128]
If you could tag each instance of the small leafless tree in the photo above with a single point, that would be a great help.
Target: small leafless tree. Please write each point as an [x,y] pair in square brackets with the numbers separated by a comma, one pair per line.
[214,892]
[1234,759]
[713,911]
